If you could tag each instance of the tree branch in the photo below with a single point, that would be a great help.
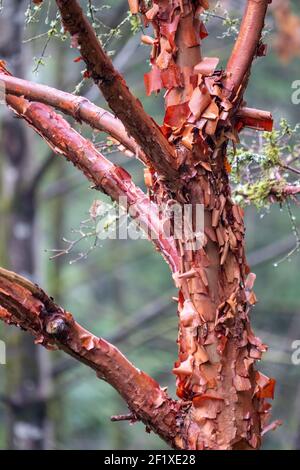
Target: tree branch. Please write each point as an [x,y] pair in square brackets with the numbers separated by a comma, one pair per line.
[290,168]
[255,118]
[128,417]
[78,107]
[107,177]
[291,190]
[24,304]
[124,104]
[246,45]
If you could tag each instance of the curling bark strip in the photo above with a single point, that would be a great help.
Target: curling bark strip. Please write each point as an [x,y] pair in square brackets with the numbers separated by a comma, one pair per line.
[82,110]
[217,348]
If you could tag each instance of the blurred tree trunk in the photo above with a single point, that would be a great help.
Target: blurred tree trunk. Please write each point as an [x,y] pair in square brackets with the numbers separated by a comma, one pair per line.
[27,375]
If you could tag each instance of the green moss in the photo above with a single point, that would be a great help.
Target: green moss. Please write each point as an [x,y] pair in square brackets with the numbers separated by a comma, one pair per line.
[261,170]
[259,192]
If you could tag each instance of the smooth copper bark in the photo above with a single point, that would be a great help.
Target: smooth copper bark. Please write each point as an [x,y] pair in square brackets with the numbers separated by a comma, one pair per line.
[246,46]
[78,107]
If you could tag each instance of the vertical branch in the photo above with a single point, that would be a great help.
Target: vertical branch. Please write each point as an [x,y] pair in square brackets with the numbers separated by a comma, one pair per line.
[246,46]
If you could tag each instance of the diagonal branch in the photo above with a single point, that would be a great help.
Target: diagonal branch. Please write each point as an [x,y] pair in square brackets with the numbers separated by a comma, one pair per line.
[115,90]
[107,177]
[25,305]
[78,107]
[246,46]
[135,322]
[291,190]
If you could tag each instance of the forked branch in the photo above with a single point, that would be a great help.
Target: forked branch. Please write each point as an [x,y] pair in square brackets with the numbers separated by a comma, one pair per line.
[25,305]
[107,177]
[78,107]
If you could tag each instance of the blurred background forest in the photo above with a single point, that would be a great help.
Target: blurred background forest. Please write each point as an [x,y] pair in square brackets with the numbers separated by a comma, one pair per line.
[122,290]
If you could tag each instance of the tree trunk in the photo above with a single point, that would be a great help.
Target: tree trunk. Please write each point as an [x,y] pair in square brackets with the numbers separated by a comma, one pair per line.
[215,375]
[217,348]
[27,384]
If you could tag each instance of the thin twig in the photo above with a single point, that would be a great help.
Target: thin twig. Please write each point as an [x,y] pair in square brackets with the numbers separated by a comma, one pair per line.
[127,417]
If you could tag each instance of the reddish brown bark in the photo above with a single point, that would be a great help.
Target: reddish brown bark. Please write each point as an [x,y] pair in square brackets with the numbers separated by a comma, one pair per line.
[254,118]
[292,190]
[27,306]
[126,106]
[246,46]
[79,108]
[98,118]
[107,177]
[217,348]
[222,397]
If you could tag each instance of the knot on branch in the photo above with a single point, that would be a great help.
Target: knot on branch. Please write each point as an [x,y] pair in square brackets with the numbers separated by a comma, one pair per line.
[54,320]
[57,327]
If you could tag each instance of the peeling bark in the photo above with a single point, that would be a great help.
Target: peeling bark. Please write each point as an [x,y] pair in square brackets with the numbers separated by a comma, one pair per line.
[107,177]
[217,348]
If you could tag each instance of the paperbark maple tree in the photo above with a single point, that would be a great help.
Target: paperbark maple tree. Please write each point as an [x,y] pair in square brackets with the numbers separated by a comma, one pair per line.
[222,397]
